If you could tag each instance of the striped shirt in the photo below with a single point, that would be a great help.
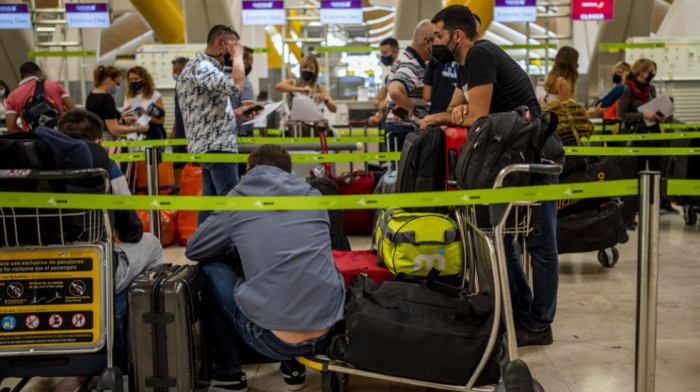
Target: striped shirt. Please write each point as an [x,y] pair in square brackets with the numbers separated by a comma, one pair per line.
[409,69]
[203,92]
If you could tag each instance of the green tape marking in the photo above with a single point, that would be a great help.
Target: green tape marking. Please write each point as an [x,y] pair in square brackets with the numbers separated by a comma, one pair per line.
[683,187]
[424,199]
[128,157]
[344,49]
[297,158]
[607,127]
[370,132]
[644,136]
[622,45]
[74,53]
[631,151]
[261,50]
[249,140]
[678,126]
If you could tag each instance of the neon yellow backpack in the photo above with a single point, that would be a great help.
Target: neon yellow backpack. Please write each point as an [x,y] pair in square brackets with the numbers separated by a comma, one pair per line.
[416,242]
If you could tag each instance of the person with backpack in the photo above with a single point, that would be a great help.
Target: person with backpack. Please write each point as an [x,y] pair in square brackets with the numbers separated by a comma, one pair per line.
[493,82]
[26,93]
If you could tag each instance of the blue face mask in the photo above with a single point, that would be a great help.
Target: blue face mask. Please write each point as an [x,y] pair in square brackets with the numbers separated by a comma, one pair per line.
[175,77]
[2,93]
[114,90]
[386,60]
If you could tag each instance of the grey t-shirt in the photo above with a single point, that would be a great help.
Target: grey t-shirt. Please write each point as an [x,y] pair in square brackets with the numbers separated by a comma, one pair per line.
[236,102]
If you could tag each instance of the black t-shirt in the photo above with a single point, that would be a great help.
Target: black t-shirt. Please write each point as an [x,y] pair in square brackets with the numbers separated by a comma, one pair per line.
[103,106]
[487,63]
[443,79]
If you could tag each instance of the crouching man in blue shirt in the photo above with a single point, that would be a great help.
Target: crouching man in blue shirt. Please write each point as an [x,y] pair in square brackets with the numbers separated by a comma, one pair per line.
[289,292]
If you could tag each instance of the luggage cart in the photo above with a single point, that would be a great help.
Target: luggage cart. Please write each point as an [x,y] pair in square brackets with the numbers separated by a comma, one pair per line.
[485,270]
[57,289]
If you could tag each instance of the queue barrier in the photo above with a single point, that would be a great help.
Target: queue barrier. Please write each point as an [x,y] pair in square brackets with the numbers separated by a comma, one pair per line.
[642,137]
[662,126]
[248,140]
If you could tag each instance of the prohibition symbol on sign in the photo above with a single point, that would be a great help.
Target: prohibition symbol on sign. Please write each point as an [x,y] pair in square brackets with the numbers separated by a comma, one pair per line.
[78,320]
[32,321]
[15,289]
[55,321]
[77,287]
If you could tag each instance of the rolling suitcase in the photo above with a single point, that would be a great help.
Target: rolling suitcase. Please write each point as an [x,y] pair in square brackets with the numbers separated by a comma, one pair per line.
[358,182]
[360,262]
[166,339]
[454,140]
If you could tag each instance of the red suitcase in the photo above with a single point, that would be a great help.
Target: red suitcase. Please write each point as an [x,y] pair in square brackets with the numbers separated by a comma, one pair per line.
[357,183]
[454,140]
[351,263]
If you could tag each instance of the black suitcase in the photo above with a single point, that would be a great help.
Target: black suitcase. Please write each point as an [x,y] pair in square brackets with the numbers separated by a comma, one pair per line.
[592,227]
[166,339]
[339,239]
[422,162]
[629,168]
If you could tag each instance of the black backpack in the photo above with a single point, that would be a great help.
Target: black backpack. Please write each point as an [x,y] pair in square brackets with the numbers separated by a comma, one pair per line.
[339,240]
[501,139]
[39,109]
[422,162]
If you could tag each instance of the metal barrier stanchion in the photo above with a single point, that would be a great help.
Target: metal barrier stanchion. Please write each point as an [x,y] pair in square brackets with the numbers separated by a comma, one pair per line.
[152,161]
[647,279]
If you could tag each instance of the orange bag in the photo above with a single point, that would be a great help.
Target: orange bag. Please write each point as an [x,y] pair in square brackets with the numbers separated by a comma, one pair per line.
[190,185]
[168,224]
[166,178]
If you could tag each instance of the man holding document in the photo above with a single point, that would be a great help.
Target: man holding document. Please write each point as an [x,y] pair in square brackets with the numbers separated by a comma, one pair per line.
[203,91]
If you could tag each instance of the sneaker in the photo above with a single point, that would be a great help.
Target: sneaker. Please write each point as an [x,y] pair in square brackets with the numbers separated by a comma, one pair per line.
[527,337]
[294,375]
[236,382]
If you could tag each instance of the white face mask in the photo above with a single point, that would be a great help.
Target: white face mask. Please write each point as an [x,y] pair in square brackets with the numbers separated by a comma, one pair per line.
[2,93]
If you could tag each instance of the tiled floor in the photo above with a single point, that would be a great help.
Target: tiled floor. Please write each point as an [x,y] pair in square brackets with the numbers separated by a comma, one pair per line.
[594,330]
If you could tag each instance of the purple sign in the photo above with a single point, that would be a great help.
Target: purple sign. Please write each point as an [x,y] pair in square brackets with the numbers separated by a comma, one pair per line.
[87,15]
[262,13]
[342,12]
[15,16]
[515,11]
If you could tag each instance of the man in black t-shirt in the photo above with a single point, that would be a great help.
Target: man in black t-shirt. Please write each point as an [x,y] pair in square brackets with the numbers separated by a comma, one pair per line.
[492,82]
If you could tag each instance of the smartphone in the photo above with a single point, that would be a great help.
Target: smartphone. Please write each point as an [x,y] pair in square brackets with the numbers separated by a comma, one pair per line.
[401,113]
[253,109]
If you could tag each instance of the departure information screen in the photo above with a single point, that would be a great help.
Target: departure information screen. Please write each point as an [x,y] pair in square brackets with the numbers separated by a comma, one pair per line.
[262,13]
[15,16]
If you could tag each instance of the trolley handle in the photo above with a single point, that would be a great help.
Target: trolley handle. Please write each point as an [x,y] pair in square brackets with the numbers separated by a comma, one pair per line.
[528,168]
[71,174]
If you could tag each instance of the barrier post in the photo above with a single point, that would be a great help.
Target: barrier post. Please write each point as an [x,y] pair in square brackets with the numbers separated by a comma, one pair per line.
[647,279]
[152,161]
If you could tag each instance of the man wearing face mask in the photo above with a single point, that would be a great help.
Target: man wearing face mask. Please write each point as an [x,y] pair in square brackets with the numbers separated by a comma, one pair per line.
[389,51]
[405,104]
[203,92]
[492,82]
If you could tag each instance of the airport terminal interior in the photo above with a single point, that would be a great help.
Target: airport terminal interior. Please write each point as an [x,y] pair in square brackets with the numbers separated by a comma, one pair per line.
[600,341]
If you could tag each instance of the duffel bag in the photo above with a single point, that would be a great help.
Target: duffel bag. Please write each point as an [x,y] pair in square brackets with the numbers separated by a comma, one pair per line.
[595,170]
[426,331]
[592,227]
[416,242]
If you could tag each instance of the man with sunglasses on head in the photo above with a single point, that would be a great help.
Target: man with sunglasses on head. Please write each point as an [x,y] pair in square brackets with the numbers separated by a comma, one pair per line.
[203,92]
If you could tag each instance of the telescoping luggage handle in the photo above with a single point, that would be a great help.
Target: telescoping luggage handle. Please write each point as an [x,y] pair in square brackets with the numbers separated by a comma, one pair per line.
[324,150]
[358,123]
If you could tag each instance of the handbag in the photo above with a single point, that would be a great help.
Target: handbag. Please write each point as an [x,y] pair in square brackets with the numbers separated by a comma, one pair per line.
[420,329]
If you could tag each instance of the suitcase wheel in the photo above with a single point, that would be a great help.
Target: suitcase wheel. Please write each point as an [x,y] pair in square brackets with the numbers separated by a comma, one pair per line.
[334,382]
[608,257]
[111,381]
[690,216]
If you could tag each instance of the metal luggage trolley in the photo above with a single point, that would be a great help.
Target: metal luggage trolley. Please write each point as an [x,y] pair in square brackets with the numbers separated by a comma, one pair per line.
[56,289]
[485,270]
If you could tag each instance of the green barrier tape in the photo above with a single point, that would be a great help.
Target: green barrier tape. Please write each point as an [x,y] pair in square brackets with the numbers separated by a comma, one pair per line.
[128,157]
[607,127]
[678,126]
[631,151]
[69,53]
[683,187]
[273,131]
[643,136]
[623,45]
[231,158]
[541,46]
[261,50]
[248,140]
[344,49]
[373,132]
[345,202]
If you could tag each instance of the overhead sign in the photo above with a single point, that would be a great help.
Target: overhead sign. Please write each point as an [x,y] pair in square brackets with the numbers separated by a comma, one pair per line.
[515,11]
[342,12]
[262,13]
[592,10]
[87,15]
[15,16]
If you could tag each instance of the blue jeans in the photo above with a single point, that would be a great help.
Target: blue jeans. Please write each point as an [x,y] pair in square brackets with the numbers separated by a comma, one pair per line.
[534,309]
[217,180]
[228,318]
[396,135]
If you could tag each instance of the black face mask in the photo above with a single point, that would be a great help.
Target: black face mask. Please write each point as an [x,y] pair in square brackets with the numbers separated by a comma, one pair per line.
[650,77]
[443,54]
[617,79]
[248,69]
[136,85]
[307,75]
[387,60]
[228,60]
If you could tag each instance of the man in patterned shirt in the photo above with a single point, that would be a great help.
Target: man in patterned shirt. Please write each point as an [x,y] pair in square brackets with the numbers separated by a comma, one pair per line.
[203,91]
[405,104]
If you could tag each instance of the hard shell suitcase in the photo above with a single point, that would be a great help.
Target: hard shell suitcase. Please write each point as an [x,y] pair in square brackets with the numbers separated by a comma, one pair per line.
[166,340]
[360,262]
[190,185]
[454,140]
[357,183]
